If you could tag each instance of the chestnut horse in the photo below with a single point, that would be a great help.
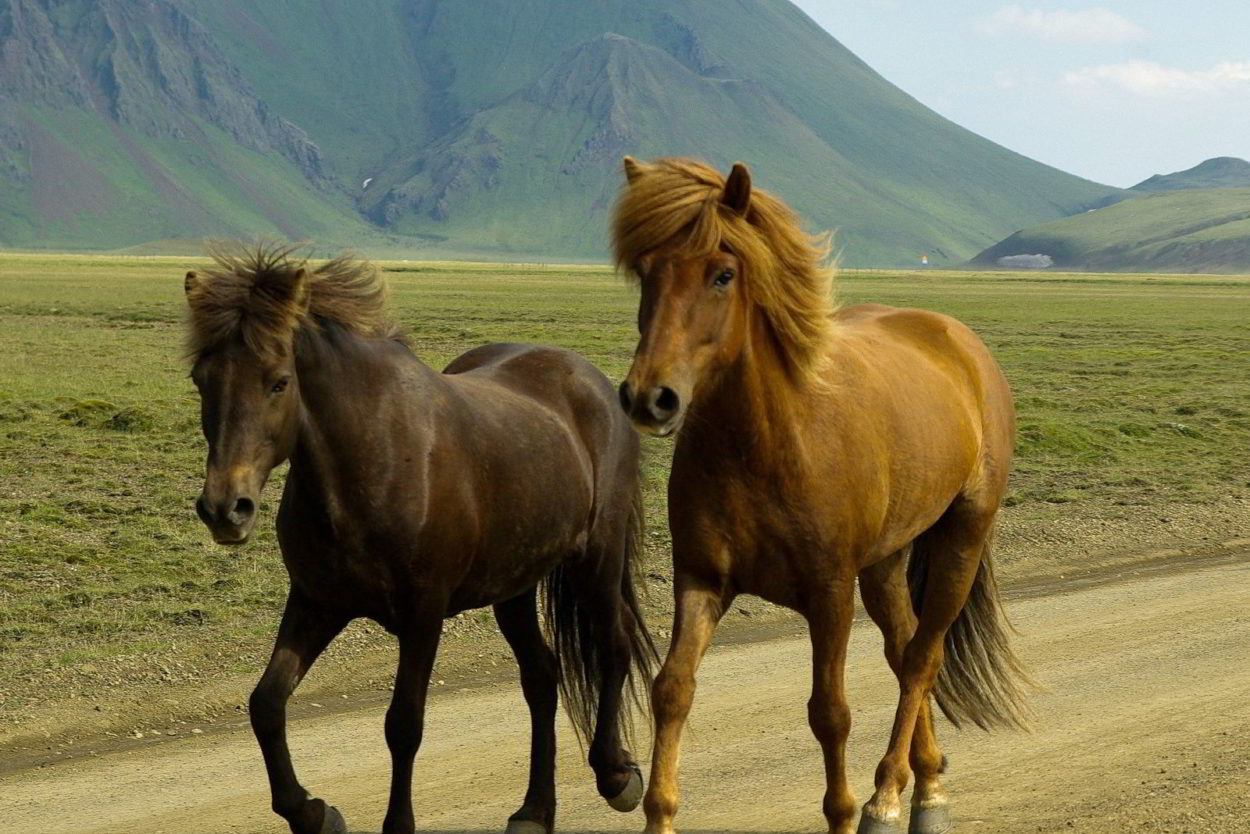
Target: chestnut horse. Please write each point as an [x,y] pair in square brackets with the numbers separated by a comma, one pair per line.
[815,445]
[413,495]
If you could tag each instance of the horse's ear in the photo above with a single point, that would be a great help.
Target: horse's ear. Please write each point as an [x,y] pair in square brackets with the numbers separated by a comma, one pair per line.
[301,292]
[632,169]
[738,189]
[190,282]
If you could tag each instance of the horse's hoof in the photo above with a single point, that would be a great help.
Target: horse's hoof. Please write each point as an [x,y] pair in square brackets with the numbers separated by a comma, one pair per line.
[935,819]
[628,799]
[872,825]
[526,827]
[333,822]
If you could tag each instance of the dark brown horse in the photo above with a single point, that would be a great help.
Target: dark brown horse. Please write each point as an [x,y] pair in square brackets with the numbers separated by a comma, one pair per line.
[816,446]
[413,495]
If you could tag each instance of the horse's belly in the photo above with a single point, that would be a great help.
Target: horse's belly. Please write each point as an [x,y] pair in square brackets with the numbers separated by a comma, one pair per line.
[524,528]
[517,560]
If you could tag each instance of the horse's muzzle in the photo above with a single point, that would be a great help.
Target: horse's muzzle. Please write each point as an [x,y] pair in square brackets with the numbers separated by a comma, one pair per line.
[229,521]
[657,410]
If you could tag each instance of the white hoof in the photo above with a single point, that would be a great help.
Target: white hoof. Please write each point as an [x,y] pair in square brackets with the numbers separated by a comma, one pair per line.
[525,827]
[628,799]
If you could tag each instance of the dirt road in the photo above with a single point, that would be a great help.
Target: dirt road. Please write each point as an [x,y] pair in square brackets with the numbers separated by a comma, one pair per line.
[1145,727]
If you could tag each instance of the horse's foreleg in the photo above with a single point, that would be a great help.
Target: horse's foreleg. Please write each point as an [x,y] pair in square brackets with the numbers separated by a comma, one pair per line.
[827,711]
[699,609]
[957,544]
[304,633]
[405,718]
[883,588]
[518,620]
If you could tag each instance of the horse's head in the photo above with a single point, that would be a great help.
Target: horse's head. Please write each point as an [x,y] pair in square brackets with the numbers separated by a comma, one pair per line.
[243,328]
[719,265]
[692,314]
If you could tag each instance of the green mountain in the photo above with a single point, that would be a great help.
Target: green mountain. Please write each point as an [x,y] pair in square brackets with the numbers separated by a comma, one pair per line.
[491,128]
[1189,230]
[122,122]
[1220,172]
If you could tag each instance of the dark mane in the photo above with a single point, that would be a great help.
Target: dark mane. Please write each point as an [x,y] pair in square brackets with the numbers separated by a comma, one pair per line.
[262,293]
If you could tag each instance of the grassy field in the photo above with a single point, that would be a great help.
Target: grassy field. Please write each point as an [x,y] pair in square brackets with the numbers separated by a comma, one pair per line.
[1131,390]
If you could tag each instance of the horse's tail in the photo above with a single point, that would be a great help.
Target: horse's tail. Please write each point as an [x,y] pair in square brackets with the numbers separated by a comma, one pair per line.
[981,679]
[643,656]
[571,626]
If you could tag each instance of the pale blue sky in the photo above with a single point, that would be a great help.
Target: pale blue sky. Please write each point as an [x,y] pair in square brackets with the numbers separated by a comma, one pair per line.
[1114,90]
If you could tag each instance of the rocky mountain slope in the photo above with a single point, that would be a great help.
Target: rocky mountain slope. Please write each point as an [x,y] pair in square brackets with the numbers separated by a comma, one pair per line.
[491,129]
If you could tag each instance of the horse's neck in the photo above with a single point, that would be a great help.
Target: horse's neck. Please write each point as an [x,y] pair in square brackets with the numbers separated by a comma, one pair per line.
[347,386]
[756,408]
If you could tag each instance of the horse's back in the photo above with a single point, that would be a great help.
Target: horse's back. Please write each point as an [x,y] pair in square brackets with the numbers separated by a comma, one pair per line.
[524,448]
[541,372]
[936,331]
[932,364]
[928,341]
[553,381]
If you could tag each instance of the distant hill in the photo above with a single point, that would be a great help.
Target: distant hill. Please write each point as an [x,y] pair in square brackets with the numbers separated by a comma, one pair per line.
[491,128]
[1220,172]
[1189,230]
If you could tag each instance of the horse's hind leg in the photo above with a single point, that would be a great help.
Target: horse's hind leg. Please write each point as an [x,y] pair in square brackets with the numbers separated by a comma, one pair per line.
[883,588]
[518,620]
[827,711]
[617,777]
[955,545]
[304,633]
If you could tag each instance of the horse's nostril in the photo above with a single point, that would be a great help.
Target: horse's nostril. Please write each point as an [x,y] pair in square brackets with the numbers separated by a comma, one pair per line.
[627,401]
[667,401]
[201,509]
[243,510]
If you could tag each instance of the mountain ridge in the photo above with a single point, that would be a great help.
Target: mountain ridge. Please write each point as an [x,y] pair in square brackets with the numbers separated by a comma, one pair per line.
[1217,172]
[492,128]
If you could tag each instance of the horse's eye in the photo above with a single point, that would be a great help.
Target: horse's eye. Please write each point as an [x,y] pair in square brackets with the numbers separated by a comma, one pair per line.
[280,386]
[723,279]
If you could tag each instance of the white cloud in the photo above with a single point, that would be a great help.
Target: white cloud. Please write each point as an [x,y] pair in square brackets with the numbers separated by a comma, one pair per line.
[1089,26]
[1147,78]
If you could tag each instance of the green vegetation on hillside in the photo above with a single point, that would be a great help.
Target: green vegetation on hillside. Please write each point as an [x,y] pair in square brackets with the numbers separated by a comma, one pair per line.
[488,127]
[1198,230]
[214,186]
[1220,172]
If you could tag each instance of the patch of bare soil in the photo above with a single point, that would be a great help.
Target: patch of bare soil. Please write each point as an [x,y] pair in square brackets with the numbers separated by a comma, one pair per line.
[1140,727]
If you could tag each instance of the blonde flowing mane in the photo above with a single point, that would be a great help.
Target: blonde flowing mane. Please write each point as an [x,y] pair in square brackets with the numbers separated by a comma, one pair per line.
[680,203]
[263,292]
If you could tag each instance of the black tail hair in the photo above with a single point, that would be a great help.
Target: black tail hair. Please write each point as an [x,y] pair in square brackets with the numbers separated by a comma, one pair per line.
[570,627]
